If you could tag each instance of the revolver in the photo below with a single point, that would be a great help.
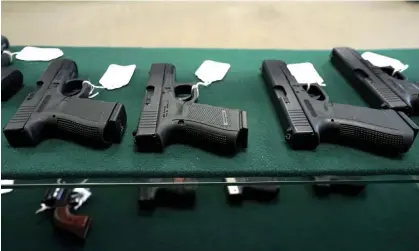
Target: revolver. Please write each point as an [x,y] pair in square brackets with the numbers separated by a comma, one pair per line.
[64,202]
[60,107]
[308,117]
[180,196]
[169,115]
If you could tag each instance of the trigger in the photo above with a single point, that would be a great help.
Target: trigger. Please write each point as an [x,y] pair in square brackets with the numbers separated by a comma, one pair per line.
[316,97]
[185,92]
[85,90]
[72,87]
[78,88]
[184,98]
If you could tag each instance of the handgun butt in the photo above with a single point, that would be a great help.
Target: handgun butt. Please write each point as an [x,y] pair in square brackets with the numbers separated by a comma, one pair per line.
[11,82]
[264,193]
[117,122]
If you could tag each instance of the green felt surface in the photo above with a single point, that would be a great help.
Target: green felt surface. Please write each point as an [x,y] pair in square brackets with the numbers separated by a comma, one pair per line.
[266,155]
[385,219]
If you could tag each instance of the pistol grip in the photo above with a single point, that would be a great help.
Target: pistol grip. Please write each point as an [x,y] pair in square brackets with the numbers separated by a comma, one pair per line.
[381,131]
[94,120]
[75,224]
[220,129]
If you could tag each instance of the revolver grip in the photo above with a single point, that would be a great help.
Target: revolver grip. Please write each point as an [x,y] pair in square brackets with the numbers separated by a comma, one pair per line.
[75,224]
[93,120]
[218,129]
[370,129]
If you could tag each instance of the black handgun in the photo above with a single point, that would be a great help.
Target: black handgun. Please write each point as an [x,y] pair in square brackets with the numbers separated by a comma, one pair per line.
[380,87]
[61,106]
[169,115]
[11,78]
[349,189]
[179,196]
[256,192]
[308,117]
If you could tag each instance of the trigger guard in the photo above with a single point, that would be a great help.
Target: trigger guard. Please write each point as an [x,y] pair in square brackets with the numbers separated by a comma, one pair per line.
[189,98]
[321,92]
[326,97]
[83,92]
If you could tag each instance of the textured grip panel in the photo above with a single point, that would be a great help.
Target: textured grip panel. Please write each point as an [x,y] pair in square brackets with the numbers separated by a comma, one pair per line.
[215,128]
[78,129]
[381,131]
[201,134]
[369,136]
[210,115]
[95,122]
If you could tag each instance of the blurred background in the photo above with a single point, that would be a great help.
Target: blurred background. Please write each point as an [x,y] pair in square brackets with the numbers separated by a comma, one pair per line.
[279,24]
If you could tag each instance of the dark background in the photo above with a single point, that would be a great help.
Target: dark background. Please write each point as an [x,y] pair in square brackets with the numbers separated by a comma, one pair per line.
[384,218]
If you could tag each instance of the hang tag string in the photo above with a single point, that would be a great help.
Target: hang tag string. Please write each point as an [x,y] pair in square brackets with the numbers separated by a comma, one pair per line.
[195,86]
[93,87]
[399,69]
[10,54]
[309,85]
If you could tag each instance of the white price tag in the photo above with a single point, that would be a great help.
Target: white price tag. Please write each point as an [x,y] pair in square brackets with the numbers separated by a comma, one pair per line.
[231,180]
[383,61]
[117,76]
[6,182]
[30,53]
[305,73]
[232,190]
[211,71]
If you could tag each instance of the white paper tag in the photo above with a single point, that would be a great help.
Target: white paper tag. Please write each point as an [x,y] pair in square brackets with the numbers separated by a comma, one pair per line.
[83,195]
[117,76]
[232,190]
[383,61]
[6,182]
[211,71]
[305,73]
[30,53]
[231,180]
